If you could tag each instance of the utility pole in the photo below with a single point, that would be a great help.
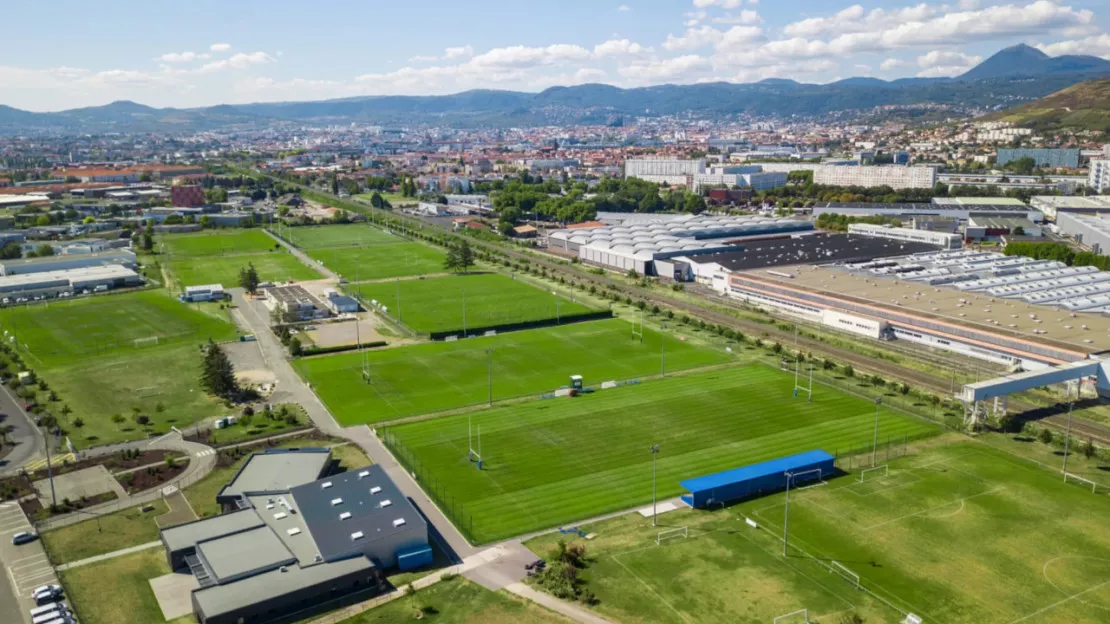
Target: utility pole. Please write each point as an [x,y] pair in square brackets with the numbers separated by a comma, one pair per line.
[49,469]
[1067,440]
[875,441]
[654,456]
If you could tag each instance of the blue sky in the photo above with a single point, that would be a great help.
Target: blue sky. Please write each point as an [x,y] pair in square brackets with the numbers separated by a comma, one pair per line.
[63,55]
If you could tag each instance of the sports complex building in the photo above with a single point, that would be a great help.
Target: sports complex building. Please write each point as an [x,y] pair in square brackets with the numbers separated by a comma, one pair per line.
[294,539]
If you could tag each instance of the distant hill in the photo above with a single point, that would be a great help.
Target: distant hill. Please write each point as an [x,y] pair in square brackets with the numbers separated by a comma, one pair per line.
[998,82]
[1085,106]
[1023,60]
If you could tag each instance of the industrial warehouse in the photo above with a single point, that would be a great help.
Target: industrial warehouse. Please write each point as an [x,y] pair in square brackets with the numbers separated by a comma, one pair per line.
[294,539]
[67,275]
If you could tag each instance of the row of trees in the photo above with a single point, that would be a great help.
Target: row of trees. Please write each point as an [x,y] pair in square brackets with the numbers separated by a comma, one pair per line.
[1059,252]
[839,223]
[460,257]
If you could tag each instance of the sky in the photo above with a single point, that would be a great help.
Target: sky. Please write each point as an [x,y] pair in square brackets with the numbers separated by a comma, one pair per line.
[68,54]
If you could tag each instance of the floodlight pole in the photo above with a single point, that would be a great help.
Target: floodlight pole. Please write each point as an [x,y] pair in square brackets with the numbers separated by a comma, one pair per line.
[557,319]
[464,311]
[49,468]
[399,301]
[489,374]
[641,327]
[1067,440]
[663,351]
[786,515]
[654,456]
[875,441]
[810,400]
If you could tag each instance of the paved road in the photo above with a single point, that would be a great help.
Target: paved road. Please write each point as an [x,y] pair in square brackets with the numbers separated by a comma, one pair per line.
[290,387]
[28,443]
[303,257]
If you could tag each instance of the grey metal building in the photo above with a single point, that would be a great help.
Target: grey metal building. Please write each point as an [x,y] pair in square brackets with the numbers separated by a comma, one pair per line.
[1090,230]
[296,544]
[1044,157]
[116,257]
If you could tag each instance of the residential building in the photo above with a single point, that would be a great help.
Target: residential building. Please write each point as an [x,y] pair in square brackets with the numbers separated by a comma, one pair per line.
[894,176]
[1044,157]
[1099,177]
[187,196]
[673,171]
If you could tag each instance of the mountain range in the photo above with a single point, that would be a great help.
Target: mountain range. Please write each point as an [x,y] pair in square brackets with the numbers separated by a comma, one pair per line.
[1015,74]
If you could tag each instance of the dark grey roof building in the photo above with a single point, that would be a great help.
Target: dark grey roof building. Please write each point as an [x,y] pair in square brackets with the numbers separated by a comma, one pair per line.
[297,547]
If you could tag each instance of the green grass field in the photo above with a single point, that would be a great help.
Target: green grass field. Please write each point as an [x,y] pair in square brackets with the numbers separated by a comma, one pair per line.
[377,262]
[490,299]
[325,236]
[459,601]
[445,375]
[216,257]
[118,590]
[954,532]
[552,462]
[111,532]
[97,353]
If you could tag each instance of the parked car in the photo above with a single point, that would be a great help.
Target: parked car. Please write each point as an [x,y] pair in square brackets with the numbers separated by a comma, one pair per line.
[24,537]
[47,590]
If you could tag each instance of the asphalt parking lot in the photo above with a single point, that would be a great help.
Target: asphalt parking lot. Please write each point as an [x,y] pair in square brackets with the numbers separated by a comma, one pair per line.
[25,567]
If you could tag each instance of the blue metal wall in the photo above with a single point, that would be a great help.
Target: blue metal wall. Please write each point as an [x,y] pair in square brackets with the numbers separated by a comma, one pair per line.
[757,486]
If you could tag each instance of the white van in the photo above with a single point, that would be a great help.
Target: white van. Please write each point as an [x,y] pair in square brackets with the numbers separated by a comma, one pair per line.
[54,607]
[51,618]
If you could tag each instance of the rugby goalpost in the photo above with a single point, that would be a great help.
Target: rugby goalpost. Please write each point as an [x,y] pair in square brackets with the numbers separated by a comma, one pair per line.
[884,471]
[680,532]
[638,329]
[473,455]
[1074,477]
[797,381]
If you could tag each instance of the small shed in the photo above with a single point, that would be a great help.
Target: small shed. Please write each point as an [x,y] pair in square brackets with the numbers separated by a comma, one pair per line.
[756,479]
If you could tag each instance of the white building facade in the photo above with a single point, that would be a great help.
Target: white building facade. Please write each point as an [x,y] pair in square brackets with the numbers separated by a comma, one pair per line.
[894,176]
[1099,177]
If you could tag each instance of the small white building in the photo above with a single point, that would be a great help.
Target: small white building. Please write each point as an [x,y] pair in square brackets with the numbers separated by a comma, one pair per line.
[208,292]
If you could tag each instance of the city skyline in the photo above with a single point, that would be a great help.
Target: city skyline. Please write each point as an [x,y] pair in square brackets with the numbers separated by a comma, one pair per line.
[231,54]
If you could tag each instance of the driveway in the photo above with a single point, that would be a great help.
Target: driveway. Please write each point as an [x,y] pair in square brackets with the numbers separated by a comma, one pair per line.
[28,443]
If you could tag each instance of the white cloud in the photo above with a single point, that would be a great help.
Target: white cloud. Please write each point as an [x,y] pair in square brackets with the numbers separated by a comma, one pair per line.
[862,68]
[524,57]
[747,16]
[458,52]
[1097,45]
[182,57]
[893,63]
[693,39]
[624,8]
[693,18]
[220,47]
[940,63]
[680,68]
[724,4]
[240,60]
[620,48]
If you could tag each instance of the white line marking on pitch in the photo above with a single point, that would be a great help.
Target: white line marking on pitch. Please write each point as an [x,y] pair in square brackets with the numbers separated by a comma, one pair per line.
[1060,602]
[918,513]
[652,590]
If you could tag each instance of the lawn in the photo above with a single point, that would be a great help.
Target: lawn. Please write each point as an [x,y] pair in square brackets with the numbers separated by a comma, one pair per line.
[325,236]
[118,590]
[479,300]
[98,355]
[115,531]
[438,376]
[956,532]
[216,257]
[350,456]
[377,262]
[548,463]
[458,601]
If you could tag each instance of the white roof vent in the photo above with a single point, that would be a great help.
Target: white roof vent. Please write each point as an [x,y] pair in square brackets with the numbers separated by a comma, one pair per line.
[279,515]
[385,503]
[336,501]
[399,522]
[293,531]
[364,473]
[357,535]
[344,515]
[375,490]
[325,485]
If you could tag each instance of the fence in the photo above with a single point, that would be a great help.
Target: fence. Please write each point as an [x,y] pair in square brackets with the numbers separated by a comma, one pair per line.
[450,507]
[565,319]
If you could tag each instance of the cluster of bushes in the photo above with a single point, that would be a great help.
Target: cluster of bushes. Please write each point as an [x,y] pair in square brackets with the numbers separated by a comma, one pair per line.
[560,577]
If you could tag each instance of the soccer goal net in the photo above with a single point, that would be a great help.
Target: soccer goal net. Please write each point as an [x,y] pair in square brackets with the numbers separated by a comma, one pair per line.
[149,341]
[801,615]
[845,573]
[1069,477]
[877,472]
[680,532]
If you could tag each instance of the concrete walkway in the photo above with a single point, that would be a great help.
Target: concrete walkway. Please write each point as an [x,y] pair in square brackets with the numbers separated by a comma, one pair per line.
[111,555]
[572,611]
[304,258]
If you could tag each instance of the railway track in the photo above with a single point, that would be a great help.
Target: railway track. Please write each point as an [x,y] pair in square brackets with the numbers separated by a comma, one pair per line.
[769,331]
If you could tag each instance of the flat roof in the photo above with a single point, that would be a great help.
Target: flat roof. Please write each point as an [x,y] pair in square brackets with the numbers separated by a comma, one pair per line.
[980,201]
[944,303]
[291,294]
[107,256]
[361,494]
[285,519]
[278,470]
[241,553]
[755,471]
[258,589]
[812,249]
[189,534]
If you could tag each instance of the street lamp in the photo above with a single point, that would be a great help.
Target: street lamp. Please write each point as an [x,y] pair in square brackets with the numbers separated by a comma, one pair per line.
[875,441]
[654,456]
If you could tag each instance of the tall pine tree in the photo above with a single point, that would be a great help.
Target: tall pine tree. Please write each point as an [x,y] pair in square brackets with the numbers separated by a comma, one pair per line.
[217,375]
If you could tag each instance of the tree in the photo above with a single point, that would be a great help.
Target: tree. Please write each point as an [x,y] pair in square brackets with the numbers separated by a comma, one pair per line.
[295,348]
[11,251]
[78,422]
[44,250]
[451,262]
[148,242]
[142,420]
[117,419]
[217,375]
[466,256]
[1089,448]
[248,278]
[1045,436]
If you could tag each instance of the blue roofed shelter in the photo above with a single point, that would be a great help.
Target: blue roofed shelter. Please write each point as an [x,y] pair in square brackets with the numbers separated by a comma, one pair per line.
[756,479]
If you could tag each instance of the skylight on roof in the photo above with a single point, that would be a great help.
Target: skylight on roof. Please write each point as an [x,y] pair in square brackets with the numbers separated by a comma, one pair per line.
[326,485]
[344,515]
[336,501]
[357,535]
[364,473]
[375,490]
[399,522]
[279,515]
[385,503]
[293,531]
